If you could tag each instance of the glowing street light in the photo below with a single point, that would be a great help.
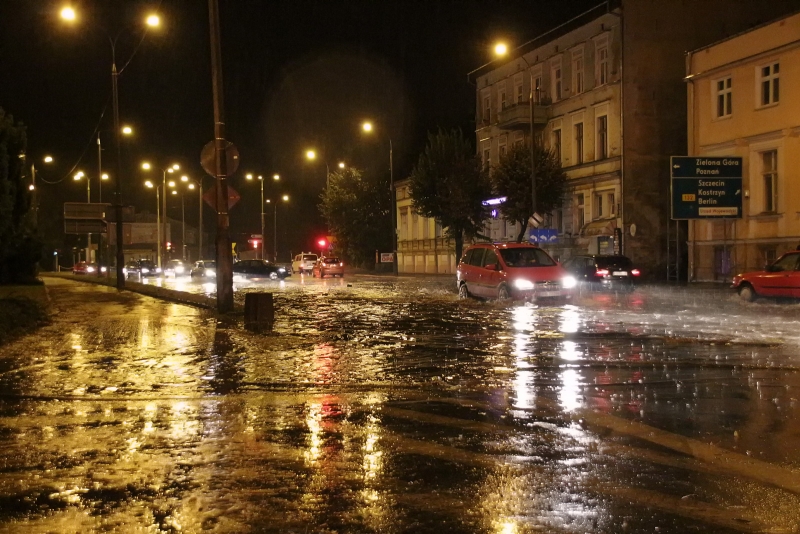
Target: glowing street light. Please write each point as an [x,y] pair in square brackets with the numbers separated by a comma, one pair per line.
[48,159]
[500,49]
[67,13]
[367,127]
[153,21]
[311,154]
[127,130]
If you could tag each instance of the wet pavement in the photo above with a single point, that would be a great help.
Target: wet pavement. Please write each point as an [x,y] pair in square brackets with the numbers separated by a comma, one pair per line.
[388,405]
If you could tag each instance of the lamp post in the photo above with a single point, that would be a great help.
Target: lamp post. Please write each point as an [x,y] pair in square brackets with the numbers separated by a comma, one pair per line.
[501,50]
[183,223]
[126,130]
[275,177]
[311,155]
[146,166]
[69,14]
[197,184]
[35,190]
[367,127]
[150,185]
[285,198]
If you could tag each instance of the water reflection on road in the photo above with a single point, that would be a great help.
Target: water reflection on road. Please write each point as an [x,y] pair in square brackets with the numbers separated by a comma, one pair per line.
[389,405]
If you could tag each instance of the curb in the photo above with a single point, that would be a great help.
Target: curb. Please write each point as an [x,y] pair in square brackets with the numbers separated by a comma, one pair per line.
[172,295]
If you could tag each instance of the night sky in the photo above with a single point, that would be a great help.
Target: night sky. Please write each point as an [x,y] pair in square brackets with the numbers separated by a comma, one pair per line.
[297,75]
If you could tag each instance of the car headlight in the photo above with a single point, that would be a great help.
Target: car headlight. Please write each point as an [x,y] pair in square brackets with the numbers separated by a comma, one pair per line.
[145,270]
[103,269]
[158,269]
[568,282]
[90,269]
[281,270]
[210,272]
[521,283]
[179,269]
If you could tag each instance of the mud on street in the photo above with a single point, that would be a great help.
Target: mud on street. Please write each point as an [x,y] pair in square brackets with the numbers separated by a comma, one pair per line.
[388,405]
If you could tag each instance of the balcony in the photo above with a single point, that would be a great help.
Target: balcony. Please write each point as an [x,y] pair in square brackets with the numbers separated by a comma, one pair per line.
[517,116]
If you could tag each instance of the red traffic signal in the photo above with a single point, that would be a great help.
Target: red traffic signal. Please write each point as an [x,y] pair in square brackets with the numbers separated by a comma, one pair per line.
[322,243]
[169,245]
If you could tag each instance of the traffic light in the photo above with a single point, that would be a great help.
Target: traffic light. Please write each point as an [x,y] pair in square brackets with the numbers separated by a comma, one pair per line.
[322,243]
[169,245]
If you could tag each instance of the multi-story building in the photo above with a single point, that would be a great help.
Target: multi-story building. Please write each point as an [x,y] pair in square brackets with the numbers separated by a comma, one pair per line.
[743,101]
[608,98]
[421,244]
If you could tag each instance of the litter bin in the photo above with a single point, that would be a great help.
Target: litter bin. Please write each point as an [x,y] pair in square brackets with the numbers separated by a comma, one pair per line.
[259,311]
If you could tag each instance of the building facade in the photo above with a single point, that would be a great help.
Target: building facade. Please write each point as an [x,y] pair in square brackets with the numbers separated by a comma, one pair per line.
[743,101]
[608,97]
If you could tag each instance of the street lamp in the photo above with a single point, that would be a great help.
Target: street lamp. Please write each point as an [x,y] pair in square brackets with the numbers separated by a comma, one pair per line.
[150,185]
[69,14]
[146,166]
[367,127]
[126,130]
[311,155]
[198,184]
[285,198]
[500,50]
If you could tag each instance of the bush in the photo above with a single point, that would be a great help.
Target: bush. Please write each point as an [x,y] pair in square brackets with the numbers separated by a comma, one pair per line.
[18,316]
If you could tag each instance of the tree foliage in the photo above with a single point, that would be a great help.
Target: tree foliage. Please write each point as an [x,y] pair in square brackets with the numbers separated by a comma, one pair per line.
[449,185]
[511,178]
[19,248]
[356,210]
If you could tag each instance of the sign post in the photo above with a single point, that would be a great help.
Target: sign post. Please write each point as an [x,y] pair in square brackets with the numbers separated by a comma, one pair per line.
[703,188]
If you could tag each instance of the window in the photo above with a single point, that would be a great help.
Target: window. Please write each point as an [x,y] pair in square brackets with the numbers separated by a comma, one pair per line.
[769,173]
[518,88]
[501,146]
[518,139]
[487,160]
[404,223]
[602,137]
[577,72]
[580,215]
[723,97]
[555,80]
[537,89]
[602,64]
[612,204]
[487,109]
[578,143]
[598,206]
[502,102]
[557,144]
[770,84]
[414,223]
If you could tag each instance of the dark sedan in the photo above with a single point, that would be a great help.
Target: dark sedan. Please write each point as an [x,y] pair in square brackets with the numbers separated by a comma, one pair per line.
[141,269]
[255,270]
[603,272]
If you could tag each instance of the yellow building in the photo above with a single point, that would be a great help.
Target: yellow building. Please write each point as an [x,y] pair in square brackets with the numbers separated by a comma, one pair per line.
[743,101]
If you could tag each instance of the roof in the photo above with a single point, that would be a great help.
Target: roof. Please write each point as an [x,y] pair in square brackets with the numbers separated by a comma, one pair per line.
[743,32]
[550,35]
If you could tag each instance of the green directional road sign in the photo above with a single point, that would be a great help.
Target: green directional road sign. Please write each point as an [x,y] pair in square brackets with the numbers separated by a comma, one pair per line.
[706,188]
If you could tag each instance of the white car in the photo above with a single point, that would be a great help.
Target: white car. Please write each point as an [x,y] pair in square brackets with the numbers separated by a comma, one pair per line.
[304,262]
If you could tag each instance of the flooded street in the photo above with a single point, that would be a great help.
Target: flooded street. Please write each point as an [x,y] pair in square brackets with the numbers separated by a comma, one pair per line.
[382,404]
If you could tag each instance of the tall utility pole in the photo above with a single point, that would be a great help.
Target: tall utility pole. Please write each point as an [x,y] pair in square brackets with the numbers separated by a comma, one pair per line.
[393,207]
[118,186]
[223,242]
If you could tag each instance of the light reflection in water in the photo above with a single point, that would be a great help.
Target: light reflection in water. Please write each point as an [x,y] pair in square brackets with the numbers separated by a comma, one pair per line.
[570,394]
[570,319]
[524,392]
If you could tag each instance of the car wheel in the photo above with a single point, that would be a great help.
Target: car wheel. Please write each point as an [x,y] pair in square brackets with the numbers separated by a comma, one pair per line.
[273,276]
[463,292]
[502,293]
[747,293]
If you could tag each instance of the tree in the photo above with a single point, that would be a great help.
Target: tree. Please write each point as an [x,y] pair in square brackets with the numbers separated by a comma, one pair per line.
[448,184]
[356,210]
[511,178]
[19,248]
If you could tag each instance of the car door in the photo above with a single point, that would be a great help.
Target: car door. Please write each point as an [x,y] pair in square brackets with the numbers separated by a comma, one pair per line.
[775,281]
[491,275]
[472,275]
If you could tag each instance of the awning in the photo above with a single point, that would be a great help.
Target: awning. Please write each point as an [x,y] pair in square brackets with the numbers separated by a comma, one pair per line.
[601,227]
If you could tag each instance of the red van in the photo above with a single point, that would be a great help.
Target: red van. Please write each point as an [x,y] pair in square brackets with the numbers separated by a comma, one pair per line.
[518,271]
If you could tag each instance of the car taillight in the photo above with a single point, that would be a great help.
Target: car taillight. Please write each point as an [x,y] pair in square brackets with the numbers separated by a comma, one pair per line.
[635,272]
[601,272]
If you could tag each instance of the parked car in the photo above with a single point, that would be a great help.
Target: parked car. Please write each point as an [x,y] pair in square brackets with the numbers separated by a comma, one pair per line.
[779,279]
[141,269]
[328,266]
[518,271]
[603,272]
[175,268]
[204,269]
[87,268]
[304,262]
[258,270]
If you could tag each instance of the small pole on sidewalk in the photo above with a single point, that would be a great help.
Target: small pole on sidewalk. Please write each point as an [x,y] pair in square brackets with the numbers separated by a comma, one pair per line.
[259,311]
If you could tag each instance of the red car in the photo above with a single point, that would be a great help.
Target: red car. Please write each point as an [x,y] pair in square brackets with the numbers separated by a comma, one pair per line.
[85,268]
[780,279]
[518,271]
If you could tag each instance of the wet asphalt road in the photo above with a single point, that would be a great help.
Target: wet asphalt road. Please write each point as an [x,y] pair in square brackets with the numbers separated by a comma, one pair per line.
[388,405]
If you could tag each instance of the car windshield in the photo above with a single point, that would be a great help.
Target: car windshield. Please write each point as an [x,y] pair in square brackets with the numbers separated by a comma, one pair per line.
[210,265]
[526,257]
[331,260]
[613,262]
